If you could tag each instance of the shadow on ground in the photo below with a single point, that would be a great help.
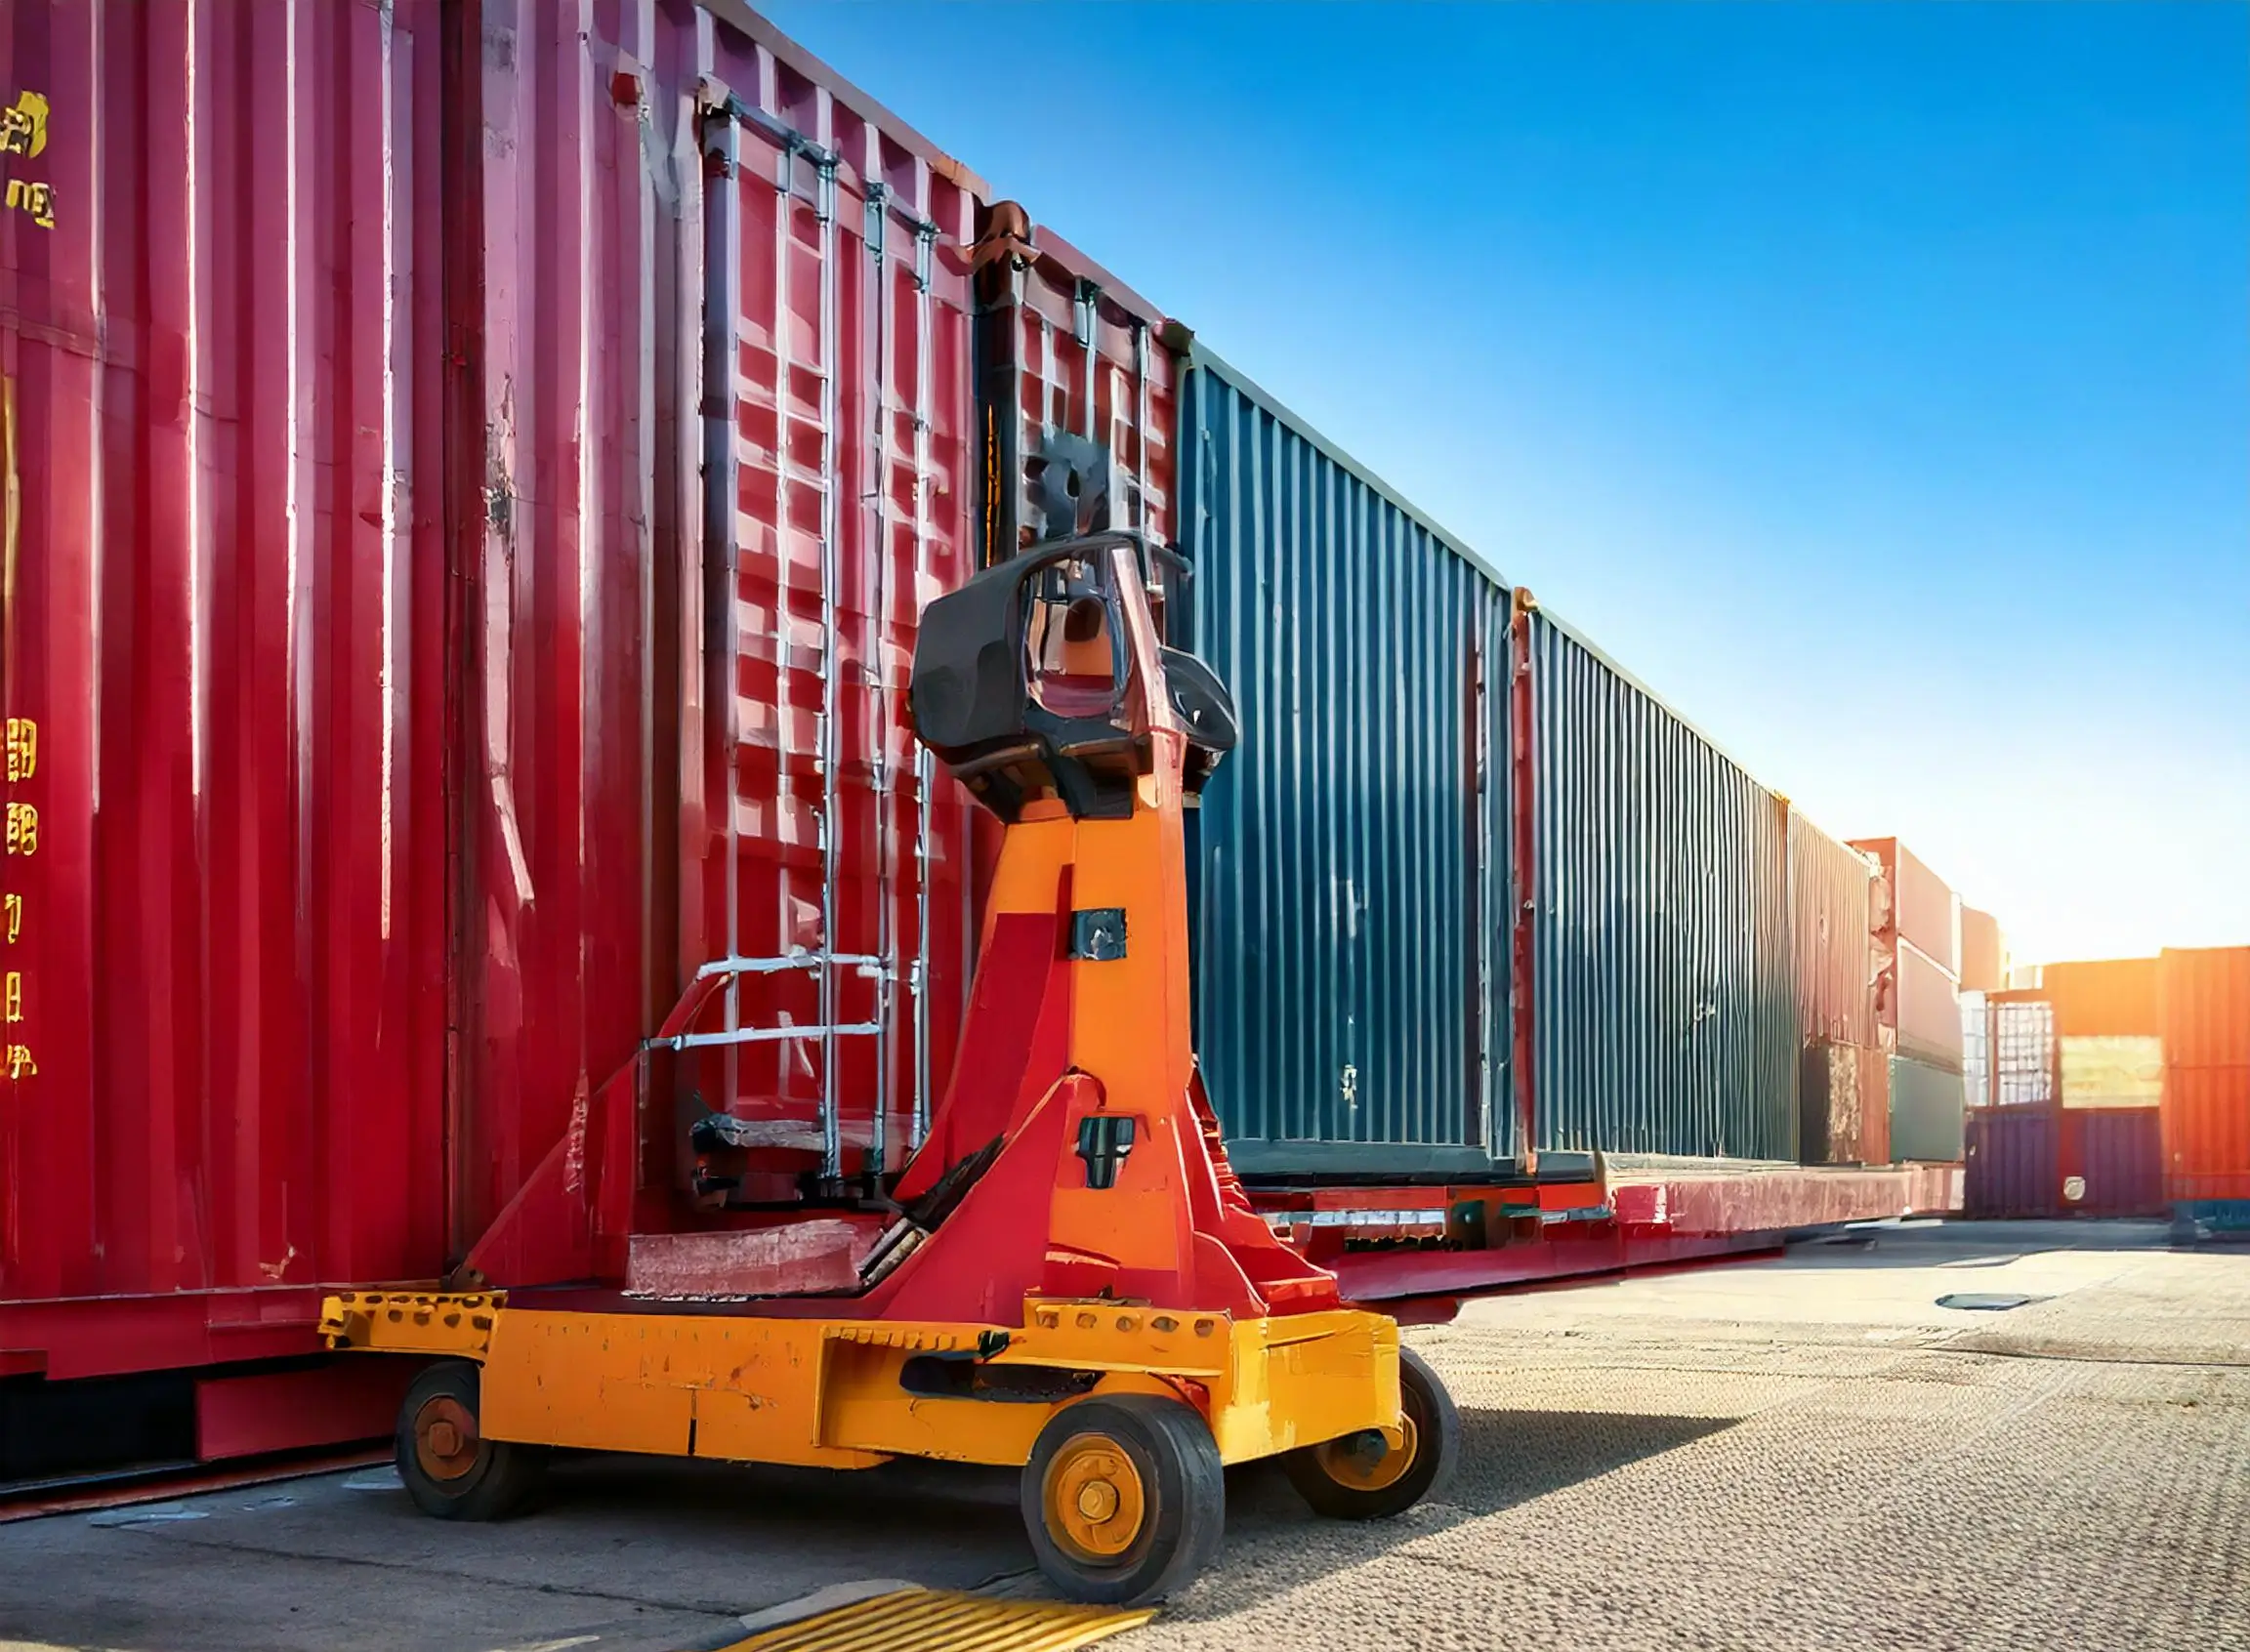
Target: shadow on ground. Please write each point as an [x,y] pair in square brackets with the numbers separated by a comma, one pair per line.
[1274,1544]
[861,1510]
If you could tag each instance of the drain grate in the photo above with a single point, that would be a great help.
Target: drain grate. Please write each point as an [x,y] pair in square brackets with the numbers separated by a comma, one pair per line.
[1987,1302]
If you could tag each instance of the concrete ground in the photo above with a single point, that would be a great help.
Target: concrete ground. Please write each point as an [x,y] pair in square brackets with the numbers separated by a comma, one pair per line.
[1805,1452]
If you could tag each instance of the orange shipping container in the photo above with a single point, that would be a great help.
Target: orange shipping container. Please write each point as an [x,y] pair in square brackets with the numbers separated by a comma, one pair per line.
[2205,996]
[2113,998]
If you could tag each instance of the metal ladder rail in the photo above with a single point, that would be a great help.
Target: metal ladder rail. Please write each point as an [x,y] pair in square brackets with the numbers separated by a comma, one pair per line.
[925,764]
[827,755]
[724,458]
[882,205]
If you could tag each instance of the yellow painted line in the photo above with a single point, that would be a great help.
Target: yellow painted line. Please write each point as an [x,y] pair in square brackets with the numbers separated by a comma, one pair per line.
[937,1620]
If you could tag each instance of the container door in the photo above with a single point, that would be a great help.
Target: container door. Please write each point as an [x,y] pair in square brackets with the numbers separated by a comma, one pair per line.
[827,849]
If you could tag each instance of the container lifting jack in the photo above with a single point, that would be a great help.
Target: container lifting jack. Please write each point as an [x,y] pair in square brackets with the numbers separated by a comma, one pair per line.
[1078,1285]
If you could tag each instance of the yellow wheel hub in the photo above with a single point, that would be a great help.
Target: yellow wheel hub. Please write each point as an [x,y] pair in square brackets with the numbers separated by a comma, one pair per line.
[1094,1499]
[1350,1462]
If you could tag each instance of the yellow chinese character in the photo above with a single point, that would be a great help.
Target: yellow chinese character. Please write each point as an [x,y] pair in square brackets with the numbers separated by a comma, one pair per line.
[11,997]
[24,127]
[11,907]
[37,199]
[22,829]
[23,748]
[20,1062]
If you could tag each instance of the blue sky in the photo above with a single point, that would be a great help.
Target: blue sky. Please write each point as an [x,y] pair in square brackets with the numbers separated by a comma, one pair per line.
[1872,380]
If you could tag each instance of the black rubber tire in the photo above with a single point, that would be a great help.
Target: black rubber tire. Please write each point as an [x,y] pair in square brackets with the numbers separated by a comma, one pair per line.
[1184,1485]
[1436,1449]
[503,1475]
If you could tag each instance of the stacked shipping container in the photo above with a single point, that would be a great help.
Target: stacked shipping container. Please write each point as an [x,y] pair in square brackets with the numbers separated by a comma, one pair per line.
[2065,1116]
[1838,903]
[2110,1069]
[2140,1069]
[1919,998]
[487,488]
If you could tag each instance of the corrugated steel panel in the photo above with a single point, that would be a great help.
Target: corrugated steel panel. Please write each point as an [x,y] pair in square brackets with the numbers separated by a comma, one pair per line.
[2112,1162]
[226,648]
[1925,910]
[1351,983]
[1664,998]
[1833,913]
[1926,1110]
[552,296]
[2014,1165]
[1983,952]
[2206,1106]
[1929,1019]
[2112,997]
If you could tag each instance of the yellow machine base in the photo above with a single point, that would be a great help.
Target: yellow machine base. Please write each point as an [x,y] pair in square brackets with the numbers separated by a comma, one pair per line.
[836,1393]
[931,1620]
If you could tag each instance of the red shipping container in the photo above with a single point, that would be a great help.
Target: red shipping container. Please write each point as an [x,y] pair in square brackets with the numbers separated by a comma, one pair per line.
[2206,1102]
[395,719]
[232,649]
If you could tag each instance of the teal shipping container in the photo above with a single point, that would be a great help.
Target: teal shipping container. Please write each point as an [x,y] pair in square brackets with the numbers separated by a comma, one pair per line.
[1927,1111]
[1662,1004]
[1350,963]
[1386,985]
